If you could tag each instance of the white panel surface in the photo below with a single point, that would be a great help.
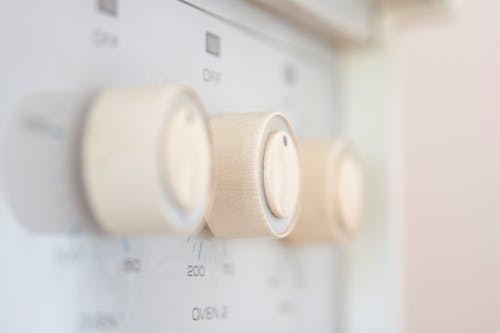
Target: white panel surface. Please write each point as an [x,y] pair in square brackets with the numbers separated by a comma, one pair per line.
[58,272]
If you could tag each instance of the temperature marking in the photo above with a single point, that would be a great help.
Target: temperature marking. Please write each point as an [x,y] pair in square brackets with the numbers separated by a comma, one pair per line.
[125,244]
[208,250]
[132,265]
[36,124]
[200,249]
[196,270]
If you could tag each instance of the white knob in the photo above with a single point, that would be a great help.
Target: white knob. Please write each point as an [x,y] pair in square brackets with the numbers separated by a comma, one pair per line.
[147,164]
[333,192]
[257,176]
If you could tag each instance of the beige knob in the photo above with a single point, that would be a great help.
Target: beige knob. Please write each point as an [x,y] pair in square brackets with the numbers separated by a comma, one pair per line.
[332,194]
[257,176]
[147,162]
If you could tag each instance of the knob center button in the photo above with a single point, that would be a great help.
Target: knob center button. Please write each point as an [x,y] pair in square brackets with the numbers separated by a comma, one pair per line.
[281,174]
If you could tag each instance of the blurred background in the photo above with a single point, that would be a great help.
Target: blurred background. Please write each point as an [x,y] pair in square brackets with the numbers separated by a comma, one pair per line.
[437,70]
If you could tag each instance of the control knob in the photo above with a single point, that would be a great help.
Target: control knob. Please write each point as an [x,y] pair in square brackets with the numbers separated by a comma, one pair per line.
[147,162]
[257,176]
[332,192]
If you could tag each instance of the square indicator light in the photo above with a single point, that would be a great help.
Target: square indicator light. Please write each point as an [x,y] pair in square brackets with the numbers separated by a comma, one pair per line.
[212,44]
[109,7]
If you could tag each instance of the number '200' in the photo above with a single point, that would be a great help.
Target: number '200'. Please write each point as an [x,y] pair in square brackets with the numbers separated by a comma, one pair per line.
[196,270]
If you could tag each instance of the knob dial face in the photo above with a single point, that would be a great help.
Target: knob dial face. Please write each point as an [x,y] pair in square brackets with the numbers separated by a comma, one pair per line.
[147,163]
[257,177]
[333,192]
[281,174]
[350,191]
[187,150]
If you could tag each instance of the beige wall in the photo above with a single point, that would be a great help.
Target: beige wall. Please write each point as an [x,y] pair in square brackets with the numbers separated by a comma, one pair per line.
[423,106]
[447,71]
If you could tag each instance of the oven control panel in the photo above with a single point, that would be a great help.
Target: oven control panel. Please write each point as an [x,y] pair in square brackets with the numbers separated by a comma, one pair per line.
[156,170]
